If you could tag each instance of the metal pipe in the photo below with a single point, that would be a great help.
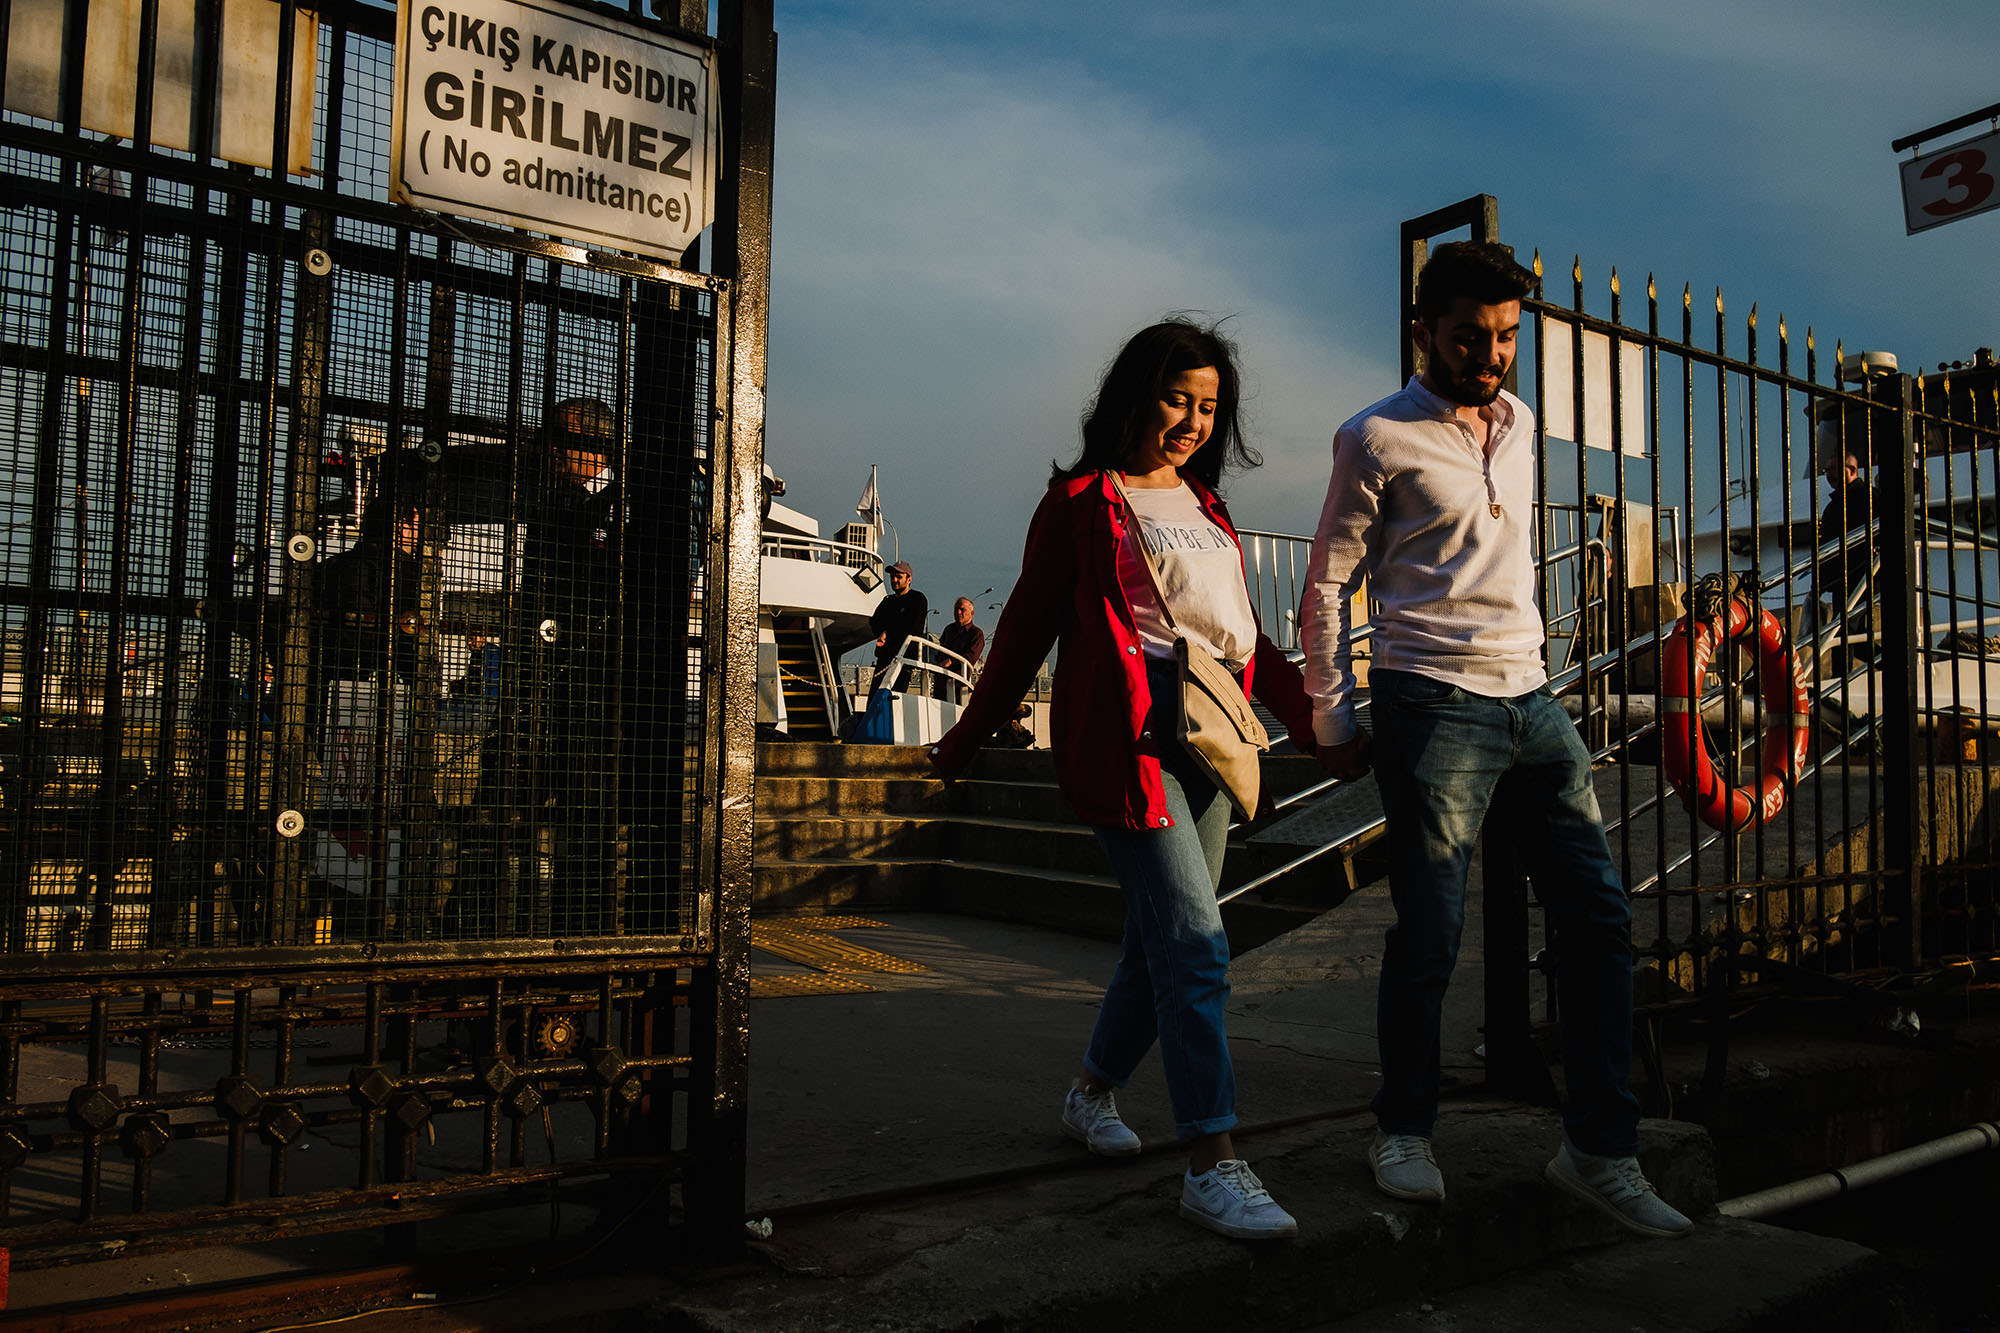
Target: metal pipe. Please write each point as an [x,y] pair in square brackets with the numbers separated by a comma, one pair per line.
[1833,1183]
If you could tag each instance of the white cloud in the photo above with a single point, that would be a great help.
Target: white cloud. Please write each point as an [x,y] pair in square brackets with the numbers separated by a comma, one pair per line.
[975,204]
[958,257]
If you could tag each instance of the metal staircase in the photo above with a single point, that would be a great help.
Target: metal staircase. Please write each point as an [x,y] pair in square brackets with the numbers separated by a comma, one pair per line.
[804,674]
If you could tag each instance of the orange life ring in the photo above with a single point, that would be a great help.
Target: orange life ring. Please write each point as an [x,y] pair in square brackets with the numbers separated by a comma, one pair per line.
[1787,720]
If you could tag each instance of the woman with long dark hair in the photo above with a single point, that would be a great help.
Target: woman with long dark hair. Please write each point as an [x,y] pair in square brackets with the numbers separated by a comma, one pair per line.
[1155,444]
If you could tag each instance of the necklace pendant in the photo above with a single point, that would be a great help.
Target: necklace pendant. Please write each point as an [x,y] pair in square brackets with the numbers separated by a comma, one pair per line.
[1494,509]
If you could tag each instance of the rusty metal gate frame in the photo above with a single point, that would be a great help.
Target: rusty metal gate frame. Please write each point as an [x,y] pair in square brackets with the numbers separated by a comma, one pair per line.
[641,1024]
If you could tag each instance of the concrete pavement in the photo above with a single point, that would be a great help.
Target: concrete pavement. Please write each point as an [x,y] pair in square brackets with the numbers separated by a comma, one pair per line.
[905,1151]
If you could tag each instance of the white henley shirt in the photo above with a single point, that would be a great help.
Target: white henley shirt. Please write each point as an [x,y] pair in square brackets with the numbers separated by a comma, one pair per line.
[1443,532]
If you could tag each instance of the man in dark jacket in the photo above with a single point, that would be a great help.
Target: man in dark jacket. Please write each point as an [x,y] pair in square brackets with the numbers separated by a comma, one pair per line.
[551,761]
[899,615]
[573,575]
[1850,508]
[964,638]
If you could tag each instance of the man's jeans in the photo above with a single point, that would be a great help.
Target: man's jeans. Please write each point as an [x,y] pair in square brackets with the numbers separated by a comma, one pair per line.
[1173,979]
[1442,756]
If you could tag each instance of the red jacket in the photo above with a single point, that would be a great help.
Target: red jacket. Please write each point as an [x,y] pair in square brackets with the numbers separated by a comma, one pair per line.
[1069,591]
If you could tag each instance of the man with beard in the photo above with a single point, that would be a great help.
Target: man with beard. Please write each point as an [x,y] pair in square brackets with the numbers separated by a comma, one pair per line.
[900,614]
[1432,500]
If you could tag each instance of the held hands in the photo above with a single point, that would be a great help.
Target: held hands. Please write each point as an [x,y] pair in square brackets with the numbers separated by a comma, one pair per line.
[1349,759]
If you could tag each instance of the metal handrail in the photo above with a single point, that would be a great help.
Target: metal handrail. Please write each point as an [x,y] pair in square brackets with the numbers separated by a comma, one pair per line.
[838,705]
[913,655]
[1823,636]
[821,550]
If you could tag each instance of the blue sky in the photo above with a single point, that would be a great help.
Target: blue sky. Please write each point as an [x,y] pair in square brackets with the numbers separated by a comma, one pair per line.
[975,204]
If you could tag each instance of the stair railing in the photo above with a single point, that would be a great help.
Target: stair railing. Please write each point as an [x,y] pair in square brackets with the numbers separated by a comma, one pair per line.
[931,658]
[838,706]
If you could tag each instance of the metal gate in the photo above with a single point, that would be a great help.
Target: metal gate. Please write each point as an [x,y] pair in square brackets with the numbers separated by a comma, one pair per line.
[1681,446]
[366,777]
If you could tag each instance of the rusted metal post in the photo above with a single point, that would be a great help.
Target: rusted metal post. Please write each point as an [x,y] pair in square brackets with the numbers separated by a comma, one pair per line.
[1900,488]
[721,1032]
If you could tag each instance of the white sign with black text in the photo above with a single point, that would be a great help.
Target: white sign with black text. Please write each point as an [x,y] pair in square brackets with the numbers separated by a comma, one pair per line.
[1951,183]
[550,118]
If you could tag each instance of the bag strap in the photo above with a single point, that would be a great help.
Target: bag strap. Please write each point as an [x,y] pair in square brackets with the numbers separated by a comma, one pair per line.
[1152,570]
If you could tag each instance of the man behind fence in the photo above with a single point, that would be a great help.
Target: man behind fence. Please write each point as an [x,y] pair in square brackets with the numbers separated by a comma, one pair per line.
[1431,498]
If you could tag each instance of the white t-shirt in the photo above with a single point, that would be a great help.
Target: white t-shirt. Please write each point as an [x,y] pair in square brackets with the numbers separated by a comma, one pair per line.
[1201,570]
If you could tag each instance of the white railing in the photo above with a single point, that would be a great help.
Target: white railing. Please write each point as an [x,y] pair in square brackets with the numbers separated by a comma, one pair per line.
[839,703]
[1275,563]
[924,665]
[823,550]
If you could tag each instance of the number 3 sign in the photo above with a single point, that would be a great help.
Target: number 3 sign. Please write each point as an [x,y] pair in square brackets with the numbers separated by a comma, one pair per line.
[1952,183]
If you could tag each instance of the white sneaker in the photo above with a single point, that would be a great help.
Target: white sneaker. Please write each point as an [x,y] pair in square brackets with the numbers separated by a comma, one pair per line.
[1616,1187]
[1231,1200]
[1405,1168]
[1091,1118]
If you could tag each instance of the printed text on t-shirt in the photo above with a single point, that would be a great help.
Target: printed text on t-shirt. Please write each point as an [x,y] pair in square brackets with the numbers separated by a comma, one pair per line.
[1171,537]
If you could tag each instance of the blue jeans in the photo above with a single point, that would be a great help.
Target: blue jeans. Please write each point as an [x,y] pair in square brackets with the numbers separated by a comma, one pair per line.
[1442,757]
[1172,980]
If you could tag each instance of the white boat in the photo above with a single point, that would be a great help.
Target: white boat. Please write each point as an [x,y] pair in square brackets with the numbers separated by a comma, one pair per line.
[814,601]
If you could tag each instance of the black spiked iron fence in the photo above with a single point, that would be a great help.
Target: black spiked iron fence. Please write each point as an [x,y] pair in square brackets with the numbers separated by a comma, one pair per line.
[1663,461]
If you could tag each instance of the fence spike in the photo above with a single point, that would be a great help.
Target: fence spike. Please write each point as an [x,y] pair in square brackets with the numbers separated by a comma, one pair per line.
[1718,300]
[1538,263]
[1753,314]
[1576,269]
[1652,289]
[1687,296]
[1614,280]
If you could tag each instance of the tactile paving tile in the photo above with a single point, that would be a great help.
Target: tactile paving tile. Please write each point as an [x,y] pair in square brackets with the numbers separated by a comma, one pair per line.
[824,922]
[805,983]
[825,951]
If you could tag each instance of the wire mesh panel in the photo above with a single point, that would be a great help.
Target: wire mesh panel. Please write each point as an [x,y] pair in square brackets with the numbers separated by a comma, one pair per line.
[352,746]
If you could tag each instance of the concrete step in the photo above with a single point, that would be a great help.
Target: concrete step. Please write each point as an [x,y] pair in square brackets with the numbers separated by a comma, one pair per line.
[829,759]
[1092,906]
[1728,1277]
[793,796]
[1042,802]
[838,884]
[995,764]
[854,838]
[863,826]
[1028,843]
[1284,772]
[1100,1246]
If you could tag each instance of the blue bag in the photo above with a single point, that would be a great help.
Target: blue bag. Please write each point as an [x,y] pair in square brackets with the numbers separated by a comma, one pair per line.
[877,723]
